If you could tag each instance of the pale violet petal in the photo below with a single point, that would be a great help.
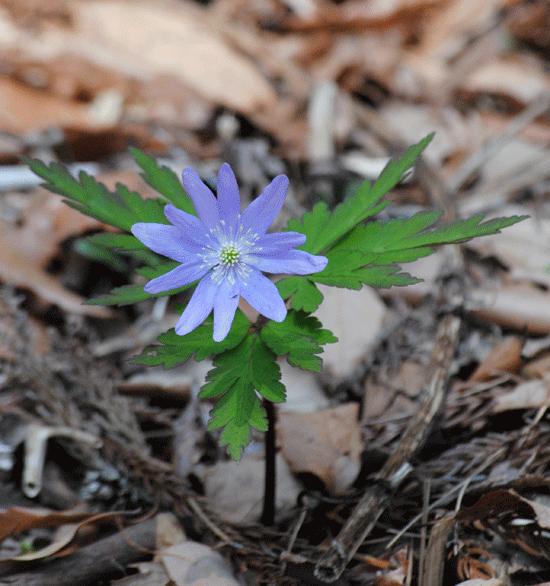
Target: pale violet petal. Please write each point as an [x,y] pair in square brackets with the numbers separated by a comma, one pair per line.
[178,277]
[278,242]
[262,295]
[203,199]
[191,228]
[259,215]
[292,262]
[225,305]
[165,240]
[199,306]
[229,199]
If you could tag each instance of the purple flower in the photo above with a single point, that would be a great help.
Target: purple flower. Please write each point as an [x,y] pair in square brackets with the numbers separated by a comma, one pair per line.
[226,250]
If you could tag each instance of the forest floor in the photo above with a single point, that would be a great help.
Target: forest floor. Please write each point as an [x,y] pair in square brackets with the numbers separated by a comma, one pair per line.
[108,473]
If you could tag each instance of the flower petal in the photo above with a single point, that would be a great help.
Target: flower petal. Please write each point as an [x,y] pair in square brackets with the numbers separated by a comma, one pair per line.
[259,215]
[229,199]
[191,229]
[199,306]
[225,305]
[165,240]
[203,199]
[178,277]
[278,242]
[262,295]
[291,262]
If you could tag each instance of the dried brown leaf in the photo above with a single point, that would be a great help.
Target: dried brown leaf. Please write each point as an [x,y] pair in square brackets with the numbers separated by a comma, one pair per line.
[23,109]
[26,252]
[528,395]
[164,38]
[505,357]
[327,444]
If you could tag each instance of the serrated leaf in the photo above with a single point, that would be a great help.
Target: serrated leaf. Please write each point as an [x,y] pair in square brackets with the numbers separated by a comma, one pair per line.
[370,254]
[164,180]
[121,208]
[403,239]
[266,374]
[305,295]
[382,276]
[300,337]
[118,242]
[95,251]
[128,294]
[236,438]
[125,295]
[176,349]
[323,229]
[237,376]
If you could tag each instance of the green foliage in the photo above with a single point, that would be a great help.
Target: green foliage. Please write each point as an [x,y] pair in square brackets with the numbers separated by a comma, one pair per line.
[304,293]
[121,208]
[369,253]
[323,228]
[238,376]
[105,248]
[164,180]
[406,239]
[300,337]
[360,252]
[128,294]
[176,349]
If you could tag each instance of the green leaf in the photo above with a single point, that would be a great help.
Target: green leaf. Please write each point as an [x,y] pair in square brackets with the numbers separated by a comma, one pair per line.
[237,374]
[122,208]
[95,251]
[300,337]
[176,349]
[118,242]
[305,294]
[322,229]
[406,239]
[128,294]
[352,269]
[370,253]
[164,180]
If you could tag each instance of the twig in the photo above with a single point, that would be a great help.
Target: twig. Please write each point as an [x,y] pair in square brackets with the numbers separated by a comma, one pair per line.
[194,505]
[447,497]
[396,469]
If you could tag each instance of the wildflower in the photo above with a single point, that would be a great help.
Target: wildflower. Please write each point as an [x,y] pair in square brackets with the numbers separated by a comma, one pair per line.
[226,250]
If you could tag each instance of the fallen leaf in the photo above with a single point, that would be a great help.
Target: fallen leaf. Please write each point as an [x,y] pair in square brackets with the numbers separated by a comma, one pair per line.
[27,250]
[23,109]
[194,564]
[326,443]
[235,490]
[150,37]
[481,582]
[18,519]
[537,368]
[518,79]
[355,318]
[505,357]
[380,400]
[528,395]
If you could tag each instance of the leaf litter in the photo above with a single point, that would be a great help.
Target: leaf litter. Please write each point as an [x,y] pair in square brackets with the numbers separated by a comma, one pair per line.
[72,89]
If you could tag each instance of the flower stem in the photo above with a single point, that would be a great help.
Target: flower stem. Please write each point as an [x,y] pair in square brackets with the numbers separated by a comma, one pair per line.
[268,513]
